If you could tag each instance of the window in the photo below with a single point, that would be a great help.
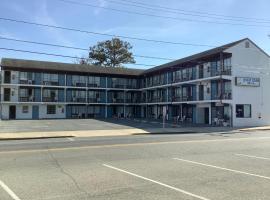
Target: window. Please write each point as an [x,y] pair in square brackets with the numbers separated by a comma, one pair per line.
[247,44]
[25,109]
[23,92]
[51,109]
[243,110]
[23,75]
[50,77]
[94,81]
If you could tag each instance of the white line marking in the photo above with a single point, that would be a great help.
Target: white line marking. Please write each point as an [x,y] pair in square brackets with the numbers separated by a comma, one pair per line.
[157,182]
[223,168]
[71,139]
[9,191]
[250,156]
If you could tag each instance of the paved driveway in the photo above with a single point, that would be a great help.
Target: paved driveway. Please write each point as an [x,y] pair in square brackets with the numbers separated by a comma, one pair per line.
[14,126]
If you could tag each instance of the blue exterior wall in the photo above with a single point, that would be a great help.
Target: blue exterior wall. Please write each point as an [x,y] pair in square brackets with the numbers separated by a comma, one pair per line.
[37,95]
[61,79]
[37,78]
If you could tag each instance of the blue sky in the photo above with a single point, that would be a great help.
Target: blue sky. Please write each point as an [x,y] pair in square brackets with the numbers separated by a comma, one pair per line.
[99,20]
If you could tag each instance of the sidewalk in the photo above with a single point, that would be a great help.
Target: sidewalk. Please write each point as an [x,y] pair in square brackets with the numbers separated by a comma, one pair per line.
[117,132]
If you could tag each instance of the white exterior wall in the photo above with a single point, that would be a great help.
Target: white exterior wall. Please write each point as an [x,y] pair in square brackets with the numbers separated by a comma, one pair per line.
[14,77]
[58,115]
[5,112]
[21,115]
[251,62]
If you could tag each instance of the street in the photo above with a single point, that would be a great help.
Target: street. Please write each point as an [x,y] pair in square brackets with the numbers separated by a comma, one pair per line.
[210,166]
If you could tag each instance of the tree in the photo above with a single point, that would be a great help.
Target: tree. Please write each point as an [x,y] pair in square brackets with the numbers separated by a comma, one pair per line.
[111,53]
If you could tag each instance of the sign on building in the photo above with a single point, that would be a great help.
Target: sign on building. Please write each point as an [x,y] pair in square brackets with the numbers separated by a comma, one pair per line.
[247,81]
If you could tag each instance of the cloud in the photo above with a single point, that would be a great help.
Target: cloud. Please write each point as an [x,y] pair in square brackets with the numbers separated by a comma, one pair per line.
[101,3]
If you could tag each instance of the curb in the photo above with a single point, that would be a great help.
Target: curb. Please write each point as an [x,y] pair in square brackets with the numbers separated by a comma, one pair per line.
[36,138]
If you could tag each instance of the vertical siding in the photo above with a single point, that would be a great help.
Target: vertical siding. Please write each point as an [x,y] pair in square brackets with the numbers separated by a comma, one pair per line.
[213,89]
[37,94]
[69,95]
[109,111]
[103,97]
[109,82]
[102,111]
[194,93]
[37,78]
[61,78]
[68,111]
[69,80]
[103,82]
[61,95]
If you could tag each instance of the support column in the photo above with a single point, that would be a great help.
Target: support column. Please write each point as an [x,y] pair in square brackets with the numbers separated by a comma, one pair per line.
[106,97]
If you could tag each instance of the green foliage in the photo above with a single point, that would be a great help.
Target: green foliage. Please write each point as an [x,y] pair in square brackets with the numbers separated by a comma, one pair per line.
[111,53]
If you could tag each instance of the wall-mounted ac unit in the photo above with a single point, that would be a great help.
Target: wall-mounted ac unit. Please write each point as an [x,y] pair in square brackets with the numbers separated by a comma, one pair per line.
[29,81]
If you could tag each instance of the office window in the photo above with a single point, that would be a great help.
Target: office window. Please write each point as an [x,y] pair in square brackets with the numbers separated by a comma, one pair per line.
[51,109]
[25,109]
[243,110]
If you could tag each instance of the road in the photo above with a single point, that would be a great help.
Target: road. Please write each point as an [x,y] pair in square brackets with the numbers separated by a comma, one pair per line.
[189,166]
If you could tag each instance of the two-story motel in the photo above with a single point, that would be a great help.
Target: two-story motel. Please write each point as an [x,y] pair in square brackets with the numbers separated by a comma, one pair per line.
[227,85]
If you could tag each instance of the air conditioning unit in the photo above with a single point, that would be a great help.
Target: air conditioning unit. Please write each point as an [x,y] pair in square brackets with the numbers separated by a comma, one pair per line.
[31,99]
[29,81]
[74,99]
[46,83]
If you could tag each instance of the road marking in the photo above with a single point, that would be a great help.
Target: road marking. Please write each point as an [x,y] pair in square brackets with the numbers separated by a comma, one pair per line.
[71,139]
[223,168]
[250,156]
[157,182]
[133,144]
[9,191]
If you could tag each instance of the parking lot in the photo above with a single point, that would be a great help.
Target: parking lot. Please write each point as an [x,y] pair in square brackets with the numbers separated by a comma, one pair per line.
[192,166]
[77,124]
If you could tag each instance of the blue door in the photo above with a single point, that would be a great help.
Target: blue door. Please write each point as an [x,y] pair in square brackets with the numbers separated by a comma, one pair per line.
[35,112]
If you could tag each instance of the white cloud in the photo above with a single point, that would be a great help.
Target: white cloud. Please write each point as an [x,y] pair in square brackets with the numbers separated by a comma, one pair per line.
[101,3]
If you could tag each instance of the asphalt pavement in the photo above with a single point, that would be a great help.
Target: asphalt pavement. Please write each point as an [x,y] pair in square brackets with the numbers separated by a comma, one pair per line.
[210,166]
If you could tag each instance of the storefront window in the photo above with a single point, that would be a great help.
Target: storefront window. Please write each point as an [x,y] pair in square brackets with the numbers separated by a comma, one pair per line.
[243,111]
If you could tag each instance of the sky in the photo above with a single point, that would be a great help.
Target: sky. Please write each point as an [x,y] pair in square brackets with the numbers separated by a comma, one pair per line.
[174,27]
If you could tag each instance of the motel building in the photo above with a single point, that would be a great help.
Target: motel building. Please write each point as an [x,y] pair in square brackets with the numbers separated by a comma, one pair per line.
[224,86]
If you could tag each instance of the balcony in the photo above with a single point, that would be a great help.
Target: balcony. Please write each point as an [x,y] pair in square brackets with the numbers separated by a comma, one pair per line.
[78,99]
[52,83]
[225,96]
[50,99]
[26,99]
[94,100]
[182,99]
[118,100]
[79,84]
[93,85]
[156,100]
[133,100]
[118,86]
[27,82]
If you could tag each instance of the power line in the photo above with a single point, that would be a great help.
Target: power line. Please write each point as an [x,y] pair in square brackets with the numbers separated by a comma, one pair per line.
[192,11]
[161,16]
[58,55]
[174,11]
[75,48]
[103,34]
